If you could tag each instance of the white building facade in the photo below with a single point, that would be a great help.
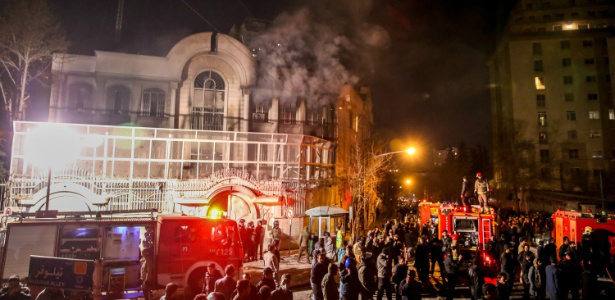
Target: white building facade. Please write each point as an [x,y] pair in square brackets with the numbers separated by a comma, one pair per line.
[178,134]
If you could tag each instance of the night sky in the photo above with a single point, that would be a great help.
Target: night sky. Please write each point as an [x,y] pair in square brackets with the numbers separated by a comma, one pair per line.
[429,84]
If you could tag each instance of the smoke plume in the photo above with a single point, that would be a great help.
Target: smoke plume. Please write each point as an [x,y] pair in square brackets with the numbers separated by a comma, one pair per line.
[311,52]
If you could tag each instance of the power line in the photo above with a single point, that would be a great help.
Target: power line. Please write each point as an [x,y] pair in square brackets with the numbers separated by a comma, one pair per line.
[201,16]
[246,9]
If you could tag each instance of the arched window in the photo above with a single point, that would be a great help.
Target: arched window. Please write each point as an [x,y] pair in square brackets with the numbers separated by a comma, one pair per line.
[208,103]
[79,96]
[118,99]
[153,103]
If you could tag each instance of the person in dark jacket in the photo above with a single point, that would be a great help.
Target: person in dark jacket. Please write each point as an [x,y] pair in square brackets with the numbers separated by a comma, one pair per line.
[14,290]
[226,285]
[466,192]
[564,247]
[569,278]
[421,260]
[436,256]
[349,281]
[552,276]
[550,250]
[589,282]
[384,274]
[409,288]
[526,265]
[329,286]
[477,279]
[211,276]
[367,275]
[508,264]
[451,267]
[283,292]
[400,272]
[267,279]
[319,270]
[503,287]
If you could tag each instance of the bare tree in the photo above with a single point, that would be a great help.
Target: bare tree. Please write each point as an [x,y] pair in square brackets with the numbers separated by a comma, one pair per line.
[364,179]
[30,34]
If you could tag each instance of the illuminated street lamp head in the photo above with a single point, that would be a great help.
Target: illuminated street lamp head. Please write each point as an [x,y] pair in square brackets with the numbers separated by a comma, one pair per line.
[411,150]
[408,181]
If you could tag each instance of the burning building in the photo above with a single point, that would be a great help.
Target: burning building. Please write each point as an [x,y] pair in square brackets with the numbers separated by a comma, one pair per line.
[181,133]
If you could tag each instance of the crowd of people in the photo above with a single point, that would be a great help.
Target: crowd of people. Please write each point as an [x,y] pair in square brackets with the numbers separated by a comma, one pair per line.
[409,259]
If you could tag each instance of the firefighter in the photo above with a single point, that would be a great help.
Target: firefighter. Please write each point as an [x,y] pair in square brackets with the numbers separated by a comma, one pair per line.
[481,188]
[247,246]
[260,238]
[276,233]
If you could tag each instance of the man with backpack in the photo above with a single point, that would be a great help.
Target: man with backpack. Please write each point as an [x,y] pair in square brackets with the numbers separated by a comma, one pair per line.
[481,188]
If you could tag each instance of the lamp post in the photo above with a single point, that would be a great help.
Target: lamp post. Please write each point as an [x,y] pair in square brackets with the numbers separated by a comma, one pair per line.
[53,146]
[410,151]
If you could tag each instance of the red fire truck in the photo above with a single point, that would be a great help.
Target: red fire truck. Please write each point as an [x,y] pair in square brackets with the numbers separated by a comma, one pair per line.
[572,224]
[468,225]
[180,247]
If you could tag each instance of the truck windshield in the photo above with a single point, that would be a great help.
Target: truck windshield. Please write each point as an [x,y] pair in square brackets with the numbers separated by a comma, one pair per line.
[466,224]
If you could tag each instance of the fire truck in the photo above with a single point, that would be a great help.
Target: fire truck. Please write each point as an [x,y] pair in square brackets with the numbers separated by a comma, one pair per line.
[179,247]
[468,225]
[572,224]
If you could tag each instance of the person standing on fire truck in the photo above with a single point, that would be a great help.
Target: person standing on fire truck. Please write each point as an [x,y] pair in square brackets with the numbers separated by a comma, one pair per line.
[466,192]
[481,188]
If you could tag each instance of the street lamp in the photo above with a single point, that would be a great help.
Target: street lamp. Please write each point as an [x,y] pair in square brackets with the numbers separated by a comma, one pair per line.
[409,151]
[54,146]
[408,181]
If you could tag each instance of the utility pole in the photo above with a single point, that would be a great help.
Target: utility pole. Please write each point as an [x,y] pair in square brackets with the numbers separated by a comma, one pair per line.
[118,21]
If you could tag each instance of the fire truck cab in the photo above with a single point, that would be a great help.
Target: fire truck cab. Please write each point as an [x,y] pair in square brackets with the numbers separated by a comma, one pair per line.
[176,248]
[572,224]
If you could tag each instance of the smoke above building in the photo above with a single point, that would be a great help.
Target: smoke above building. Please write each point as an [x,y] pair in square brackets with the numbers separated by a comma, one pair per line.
[310,52]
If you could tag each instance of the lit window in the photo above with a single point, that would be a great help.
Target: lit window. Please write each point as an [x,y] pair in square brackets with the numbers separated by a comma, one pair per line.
[568,97]
[542,118]
[541,100]
[567,79]
[592,96]
[595,134]
[597,154]
[611,114]
[208,101]
[594,115]
[539,81]
[542,137]
[570,27]
[573,153]
[572,134]
[571,115]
